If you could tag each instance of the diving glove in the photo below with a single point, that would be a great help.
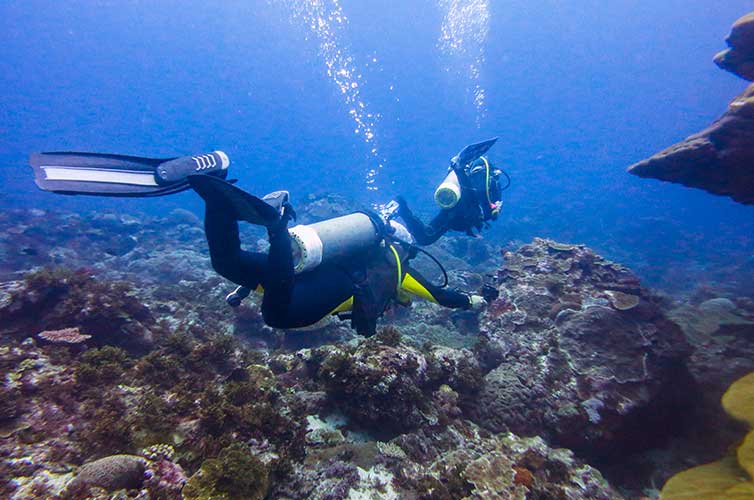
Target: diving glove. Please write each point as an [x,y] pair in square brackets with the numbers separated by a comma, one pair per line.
[476,302]
[235,297]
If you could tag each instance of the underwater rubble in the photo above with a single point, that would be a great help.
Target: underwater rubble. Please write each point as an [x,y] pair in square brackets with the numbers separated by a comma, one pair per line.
[718,159]
[118,383]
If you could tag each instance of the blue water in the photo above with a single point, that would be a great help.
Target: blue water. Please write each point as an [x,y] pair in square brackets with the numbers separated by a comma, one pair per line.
[576,92]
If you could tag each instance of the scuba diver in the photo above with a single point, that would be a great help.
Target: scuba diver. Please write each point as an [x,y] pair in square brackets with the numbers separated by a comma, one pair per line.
[469,197]
[353,266]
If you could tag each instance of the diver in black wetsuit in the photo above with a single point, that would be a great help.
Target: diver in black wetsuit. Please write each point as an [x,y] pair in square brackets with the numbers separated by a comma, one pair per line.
[364,283]
[469,198]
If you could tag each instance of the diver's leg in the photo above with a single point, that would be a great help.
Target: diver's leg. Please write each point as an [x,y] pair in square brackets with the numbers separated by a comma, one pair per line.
[280,276]
[228,260]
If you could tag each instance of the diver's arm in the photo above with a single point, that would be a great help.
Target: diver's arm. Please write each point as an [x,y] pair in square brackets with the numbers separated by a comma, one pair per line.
[416,284]
[423,234]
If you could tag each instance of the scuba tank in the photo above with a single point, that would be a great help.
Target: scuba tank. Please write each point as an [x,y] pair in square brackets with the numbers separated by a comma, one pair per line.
[448,193]
[332,239]
[325,241]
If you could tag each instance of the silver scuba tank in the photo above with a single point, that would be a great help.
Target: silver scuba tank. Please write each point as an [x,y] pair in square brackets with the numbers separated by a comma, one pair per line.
[331,239]
[448,193]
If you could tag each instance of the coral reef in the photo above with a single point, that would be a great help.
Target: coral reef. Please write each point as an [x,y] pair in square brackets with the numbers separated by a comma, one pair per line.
[388,385]
[578,352]
[573,353]
[164,479]
[721,332]
[459,461]
[55,299]
[236,474]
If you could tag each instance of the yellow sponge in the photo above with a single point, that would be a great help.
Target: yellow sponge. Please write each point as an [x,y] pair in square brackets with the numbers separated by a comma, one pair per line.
[731,477]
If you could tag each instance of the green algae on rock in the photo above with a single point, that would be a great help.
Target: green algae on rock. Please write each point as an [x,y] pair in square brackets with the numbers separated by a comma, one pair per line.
[236,474]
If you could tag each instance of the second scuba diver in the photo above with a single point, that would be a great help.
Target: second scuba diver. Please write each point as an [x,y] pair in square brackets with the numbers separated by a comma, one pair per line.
[350,264]
[469,197]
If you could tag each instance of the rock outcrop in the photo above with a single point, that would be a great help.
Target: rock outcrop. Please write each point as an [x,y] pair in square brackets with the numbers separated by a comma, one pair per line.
[582,354]
[719,159]
[458,461]
[739,58]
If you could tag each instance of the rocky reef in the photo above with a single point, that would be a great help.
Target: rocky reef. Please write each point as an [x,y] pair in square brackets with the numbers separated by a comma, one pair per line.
[201,420]
[457,461]
[718,159]
[119,384]
[579,352]
[739,57]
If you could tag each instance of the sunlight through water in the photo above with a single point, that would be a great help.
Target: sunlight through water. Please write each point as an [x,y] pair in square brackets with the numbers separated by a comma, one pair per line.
[326,24]
[462,40]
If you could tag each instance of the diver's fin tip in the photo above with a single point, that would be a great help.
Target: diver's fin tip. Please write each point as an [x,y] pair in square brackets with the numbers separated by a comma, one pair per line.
[105,174]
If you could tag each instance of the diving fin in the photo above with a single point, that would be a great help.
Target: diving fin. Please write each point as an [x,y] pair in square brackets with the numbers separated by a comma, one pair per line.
[243,205]
[119,175]
[471,153]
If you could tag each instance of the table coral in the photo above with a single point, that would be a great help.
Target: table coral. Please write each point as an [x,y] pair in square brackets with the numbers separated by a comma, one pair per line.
[71,336]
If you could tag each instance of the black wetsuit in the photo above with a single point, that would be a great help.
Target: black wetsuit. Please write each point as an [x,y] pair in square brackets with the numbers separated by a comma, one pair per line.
[291,300]
[465,216]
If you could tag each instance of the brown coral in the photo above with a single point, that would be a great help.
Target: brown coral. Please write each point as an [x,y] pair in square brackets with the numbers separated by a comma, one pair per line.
[622,301]
[523,476]
[71,336]
[111,473]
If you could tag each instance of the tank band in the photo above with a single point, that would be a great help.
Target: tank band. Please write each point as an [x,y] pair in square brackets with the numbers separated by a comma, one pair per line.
[310,247]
